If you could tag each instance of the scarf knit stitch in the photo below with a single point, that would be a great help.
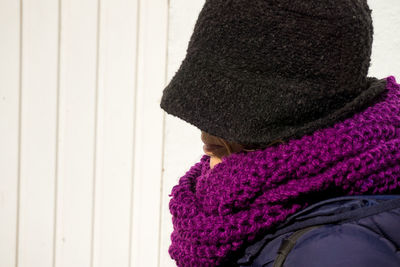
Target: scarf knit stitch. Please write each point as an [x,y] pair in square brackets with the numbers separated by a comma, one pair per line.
[218,211]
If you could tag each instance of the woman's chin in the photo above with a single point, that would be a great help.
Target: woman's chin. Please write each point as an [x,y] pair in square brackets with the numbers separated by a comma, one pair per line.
[214,161]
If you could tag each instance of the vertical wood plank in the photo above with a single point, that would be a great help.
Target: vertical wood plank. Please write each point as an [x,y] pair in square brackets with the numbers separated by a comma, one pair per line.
[9,128]
[385,49]
[183,146]
[38,132]
[152,45]
[117,58]
[77,117]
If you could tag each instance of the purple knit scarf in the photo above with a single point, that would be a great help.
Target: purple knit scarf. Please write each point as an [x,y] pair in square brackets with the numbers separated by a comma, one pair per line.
[217,211]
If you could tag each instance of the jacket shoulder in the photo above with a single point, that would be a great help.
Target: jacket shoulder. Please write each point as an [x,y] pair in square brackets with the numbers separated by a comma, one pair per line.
[347,244]
[355,231]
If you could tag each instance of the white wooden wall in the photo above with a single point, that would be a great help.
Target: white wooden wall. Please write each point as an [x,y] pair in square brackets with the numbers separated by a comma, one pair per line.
[87,157]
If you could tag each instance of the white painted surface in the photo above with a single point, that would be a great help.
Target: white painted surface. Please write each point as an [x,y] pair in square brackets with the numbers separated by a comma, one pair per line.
[148,141]
[114,142]
[386,45]
[76,133]
[38,133]
[87,157]
[9,128]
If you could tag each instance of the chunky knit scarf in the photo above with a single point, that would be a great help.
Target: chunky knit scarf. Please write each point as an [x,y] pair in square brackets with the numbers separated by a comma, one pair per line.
[218,211]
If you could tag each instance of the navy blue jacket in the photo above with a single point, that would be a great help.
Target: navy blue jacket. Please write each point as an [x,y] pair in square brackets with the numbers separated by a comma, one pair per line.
[358,231]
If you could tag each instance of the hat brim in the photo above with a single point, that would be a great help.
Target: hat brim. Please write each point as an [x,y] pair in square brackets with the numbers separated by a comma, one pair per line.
[240,106]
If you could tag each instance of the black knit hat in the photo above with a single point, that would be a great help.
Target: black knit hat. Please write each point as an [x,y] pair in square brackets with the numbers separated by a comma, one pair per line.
[261,70]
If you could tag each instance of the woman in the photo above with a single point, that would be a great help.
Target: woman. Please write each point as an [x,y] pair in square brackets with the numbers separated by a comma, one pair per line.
[302,149]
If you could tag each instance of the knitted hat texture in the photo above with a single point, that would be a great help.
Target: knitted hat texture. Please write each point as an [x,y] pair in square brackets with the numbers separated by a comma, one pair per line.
[261,70]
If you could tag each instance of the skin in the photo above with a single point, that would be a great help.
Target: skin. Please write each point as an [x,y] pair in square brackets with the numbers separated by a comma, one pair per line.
[216,156]
[214,160]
